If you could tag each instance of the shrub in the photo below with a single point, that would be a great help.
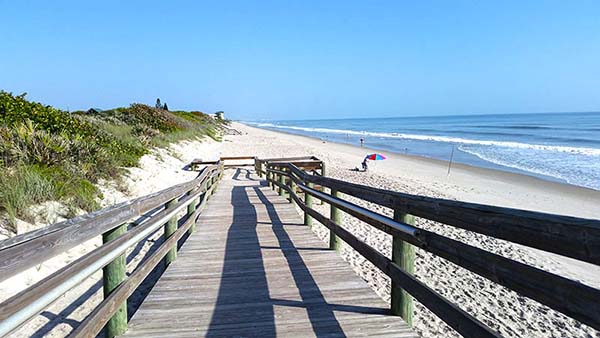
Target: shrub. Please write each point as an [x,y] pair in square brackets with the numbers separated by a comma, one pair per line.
[49,154]
[24,144]
[158,119]
[16,109]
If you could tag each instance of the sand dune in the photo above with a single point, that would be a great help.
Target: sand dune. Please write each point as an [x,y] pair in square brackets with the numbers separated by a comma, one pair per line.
[158,170]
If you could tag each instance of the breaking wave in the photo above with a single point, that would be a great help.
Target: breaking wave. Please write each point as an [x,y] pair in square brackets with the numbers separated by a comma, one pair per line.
[447,139]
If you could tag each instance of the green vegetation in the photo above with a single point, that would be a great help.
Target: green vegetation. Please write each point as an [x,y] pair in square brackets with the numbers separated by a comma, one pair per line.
[49,154]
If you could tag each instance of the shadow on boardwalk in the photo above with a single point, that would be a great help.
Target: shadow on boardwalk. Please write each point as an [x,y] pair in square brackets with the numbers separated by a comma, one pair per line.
[243,296]
[253,269]
[243,293]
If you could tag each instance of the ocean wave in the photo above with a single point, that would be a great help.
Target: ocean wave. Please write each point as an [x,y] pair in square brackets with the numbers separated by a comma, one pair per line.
[531,127]
[525,127]
[447,139]
[572,168]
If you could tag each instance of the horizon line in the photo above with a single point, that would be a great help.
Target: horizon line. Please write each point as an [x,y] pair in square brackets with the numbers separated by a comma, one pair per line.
[424,116]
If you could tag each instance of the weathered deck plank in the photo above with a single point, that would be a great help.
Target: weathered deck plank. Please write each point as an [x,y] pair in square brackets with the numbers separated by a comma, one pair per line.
[253,270]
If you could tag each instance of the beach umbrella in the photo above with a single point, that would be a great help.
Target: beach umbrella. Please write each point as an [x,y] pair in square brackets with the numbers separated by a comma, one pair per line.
[375,157]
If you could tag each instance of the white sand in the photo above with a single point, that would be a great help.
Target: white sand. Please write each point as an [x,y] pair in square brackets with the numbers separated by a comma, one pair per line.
[161,169]
[512,315]
[504,310]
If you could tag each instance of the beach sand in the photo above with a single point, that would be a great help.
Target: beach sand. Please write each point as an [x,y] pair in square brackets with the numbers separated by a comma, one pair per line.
[512,315]
[503,310]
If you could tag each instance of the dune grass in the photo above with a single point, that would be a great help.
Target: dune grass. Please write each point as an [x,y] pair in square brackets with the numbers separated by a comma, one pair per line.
[49,154]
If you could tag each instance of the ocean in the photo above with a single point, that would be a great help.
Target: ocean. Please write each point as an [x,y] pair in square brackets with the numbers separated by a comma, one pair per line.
[561,147]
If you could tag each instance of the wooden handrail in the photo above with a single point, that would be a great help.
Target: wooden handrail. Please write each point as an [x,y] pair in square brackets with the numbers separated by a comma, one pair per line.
[26,304]
[24,251]
[289,159]
[460,320]
[569,236]
[547,288]
[230,158]
[94,322]
[573,237]
[306,162]
[562,294]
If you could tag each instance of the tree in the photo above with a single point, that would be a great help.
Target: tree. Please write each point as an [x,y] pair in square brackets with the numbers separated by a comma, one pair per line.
[165,107]
[158,105]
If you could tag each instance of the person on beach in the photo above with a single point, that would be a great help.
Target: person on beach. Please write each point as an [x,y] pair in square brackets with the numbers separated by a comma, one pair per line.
[364,164]
[362,141]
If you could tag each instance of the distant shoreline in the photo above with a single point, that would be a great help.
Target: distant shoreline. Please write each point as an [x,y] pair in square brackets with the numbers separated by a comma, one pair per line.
[552,184]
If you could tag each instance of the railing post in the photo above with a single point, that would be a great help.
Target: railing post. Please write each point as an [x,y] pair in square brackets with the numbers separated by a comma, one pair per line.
[275,179]
[214,182]
[278,180]
[403,254]
[170,228]
[282,182]
[191,208]
[206,188]
[336,216]
[113,274]
[211,183]
[323,174]
[258,167]
[292,186]
[269,177]
[308,200]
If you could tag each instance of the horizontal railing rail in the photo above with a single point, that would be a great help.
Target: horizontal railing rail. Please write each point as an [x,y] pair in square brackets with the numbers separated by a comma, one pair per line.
[310,163]
[573,237]
[569,297]
[24,251]
[233,158]
[35,247]
[223,160]
[302,180]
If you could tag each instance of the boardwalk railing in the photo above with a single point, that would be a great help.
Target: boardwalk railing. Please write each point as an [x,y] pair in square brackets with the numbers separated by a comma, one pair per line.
[302,180]
[121,226]
[568,236]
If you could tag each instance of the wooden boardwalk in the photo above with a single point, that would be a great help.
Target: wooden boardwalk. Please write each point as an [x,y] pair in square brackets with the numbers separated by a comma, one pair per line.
[253,270]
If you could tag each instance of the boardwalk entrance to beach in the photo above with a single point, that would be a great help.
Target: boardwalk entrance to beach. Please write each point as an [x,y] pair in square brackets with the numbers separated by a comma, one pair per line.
[252,269]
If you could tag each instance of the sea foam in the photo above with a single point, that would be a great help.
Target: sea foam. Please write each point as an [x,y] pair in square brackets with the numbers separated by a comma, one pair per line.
[447,139]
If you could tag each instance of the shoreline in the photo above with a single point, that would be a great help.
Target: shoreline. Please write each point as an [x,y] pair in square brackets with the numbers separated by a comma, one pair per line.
[409,174]
[485,300]
[561,147]
[437,161]
[503,310]
[461,173]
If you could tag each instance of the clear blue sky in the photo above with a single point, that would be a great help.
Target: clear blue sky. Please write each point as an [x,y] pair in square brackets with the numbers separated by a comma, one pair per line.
[306,59]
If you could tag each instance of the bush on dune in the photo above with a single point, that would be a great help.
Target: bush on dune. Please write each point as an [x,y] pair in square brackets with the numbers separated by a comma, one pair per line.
[49,154]
[156,118]
[25,144]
